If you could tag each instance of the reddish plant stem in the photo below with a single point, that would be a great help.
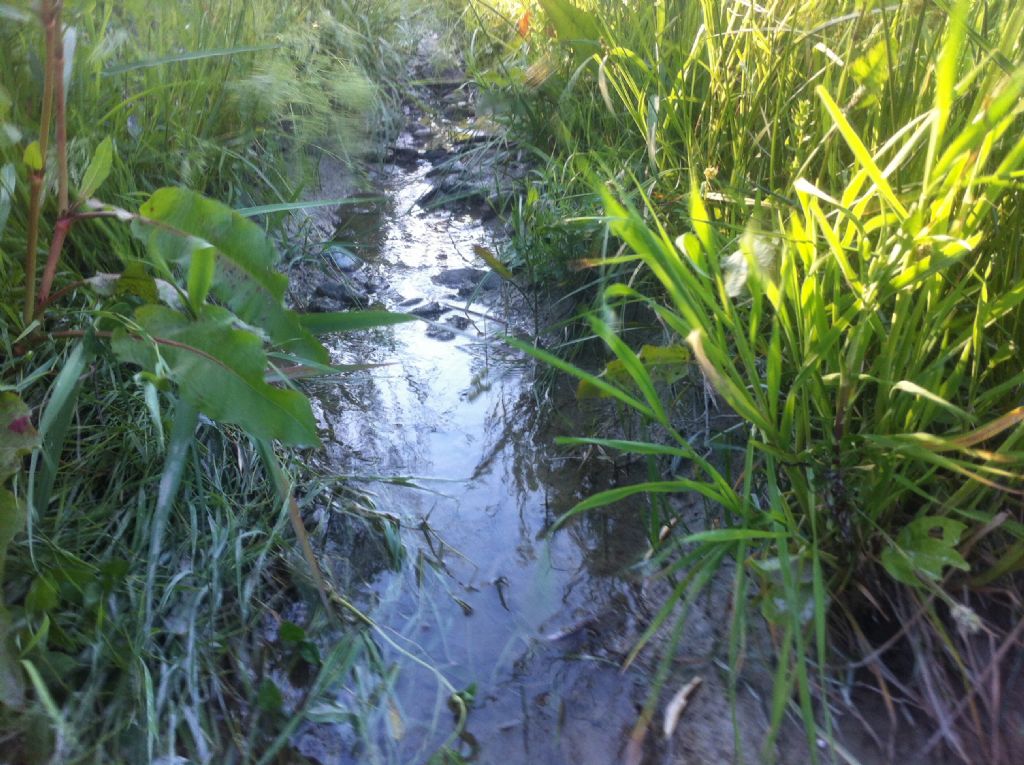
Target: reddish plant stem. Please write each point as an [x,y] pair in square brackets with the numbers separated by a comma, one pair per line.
[48,15]
[60,233]
[61,293]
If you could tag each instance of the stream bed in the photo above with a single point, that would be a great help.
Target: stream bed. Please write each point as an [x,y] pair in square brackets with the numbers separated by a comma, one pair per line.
[447,437]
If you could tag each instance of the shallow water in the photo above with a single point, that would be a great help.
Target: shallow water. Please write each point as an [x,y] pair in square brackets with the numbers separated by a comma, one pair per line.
[533,625]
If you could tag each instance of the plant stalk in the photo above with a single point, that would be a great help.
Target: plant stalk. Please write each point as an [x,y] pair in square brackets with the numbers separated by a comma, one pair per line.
[60,233]
[60,109]
[49,15]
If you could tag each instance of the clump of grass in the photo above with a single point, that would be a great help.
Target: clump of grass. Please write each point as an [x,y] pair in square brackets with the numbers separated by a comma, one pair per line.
[131,669]
[824,207]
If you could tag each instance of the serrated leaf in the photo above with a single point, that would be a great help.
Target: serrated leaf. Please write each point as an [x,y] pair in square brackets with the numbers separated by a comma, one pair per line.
[220,369]
[99,168]
[924,548]
[245,280]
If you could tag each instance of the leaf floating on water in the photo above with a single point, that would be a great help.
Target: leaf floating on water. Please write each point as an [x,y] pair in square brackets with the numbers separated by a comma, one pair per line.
[678,705]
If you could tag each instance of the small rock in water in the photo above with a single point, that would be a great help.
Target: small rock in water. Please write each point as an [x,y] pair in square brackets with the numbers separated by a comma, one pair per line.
[440,333]
[436,154]
[344,259]
[459,322]
[410,301]
[403,155]
[337,293]
[460,278]
[432,310]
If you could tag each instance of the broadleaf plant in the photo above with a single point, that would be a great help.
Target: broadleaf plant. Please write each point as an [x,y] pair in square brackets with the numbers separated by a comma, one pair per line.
[200,310]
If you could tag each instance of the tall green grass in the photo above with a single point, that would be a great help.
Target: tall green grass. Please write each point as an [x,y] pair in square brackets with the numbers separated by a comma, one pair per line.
[822,202]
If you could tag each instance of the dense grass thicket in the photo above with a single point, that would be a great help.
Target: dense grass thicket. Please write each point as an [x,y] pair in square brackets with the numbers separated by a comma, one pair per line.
[147,524]
[820,205]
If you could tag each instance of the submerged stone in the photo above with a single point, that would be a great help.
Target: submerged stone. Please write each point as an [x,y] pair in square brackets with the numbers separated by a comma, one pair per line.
[334,295]
[432,310]
[467,280]
[343,259]
[440,333]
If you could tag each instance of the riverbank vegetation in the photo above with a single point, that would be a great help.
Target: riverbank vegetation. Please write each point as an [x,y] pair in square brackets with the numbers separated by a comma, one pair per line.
[819,204]
[149,524]
[805,216]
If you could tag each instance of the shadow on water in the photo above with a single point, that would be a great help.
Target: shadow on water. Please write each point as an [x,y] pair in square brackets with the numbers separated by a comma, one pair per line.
[531,626]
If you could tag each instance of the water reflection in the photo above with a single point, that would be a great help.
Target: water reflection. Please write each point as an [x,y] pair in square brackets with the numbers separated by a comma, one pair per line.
[485,599]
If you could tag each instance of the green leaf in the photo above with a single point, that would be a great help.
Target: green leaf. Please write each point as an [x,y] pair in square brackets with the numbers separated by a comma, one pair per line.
[55,421]
[664,364]
[137,282]
[597,382]
[488,257]
[12,13]
[220,369]
[872,72]
[924,548]
[183,433]
[860,152]
[99,168]
[570,23]
[42,595]
[948,63]
[197,55]
[33,157]
[732,535]
[269,697]
[246,279]
[201,269]
[575,27]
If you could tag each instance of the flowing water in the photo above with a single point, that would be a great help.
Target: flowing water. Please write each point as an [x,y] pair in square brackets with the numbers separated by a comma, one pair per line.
[532,626]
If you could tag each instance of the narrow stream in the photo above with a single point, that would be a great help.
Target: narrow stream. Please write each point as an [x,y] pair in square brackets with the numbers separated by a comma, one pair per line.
[535,626]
